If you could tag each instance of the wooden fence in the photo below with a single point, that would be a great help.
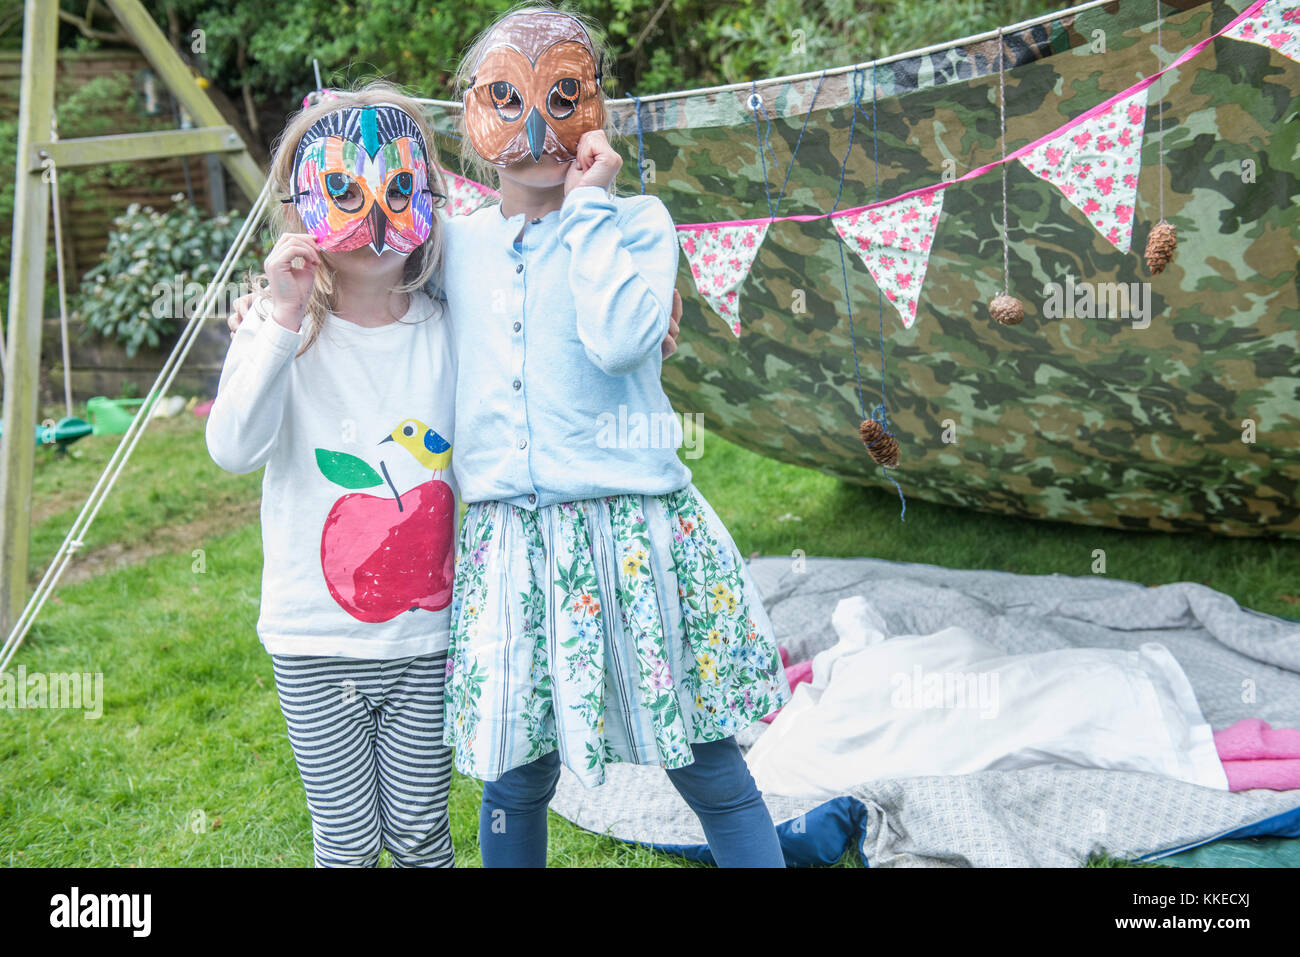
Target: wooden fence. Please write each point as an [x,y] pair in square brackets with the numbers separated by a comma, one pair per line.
[100,366]
[87,217]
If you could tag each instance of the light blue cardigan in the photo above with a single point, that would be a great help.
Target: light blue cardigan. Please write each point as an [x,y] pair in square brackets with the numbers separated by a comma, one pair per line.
[557,341]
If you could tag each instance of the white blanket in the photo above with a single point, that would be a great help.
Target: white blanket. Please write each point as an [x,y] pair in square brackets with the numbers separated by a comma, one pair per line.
[949,703]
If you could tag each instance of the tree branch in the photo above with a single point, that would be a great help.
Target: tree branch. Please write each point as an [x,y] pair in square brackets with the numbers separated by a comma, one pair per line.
[645,31]
[84,25]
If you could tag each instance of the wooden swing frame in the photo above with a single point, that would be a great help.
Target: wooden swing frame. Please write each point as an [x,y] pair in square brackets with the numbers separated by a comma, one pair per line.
[37,146]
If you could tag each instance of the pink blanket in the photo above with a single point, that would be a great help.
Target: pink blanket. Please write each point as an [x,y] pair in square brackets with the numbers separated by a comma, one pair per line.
[1256,755]
[793,673]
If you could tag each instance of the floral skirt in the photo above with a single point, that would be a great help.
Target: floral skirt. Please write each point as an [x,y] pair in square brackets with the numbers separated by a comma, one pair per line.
[614,629]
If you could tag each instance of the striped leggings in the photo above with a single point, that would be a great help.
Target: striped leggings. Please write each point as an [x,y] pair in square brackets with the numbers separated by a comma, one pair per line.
[367,737]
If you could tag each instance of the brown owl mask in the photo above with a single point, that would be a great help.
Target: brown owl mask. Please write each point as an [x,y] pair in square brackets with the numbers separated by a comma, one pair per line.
[535,90]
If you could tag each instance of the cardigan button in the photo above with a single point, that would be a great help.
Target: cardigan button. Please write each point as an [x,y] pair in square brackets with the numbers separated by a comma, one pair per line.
[518,385]
[523,444]
[532,499]
[519,268]
[518,326]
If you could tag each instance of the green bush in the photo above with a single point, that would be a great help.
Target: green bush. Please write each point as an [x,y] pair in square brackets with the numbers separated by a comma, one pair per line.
[154,270]
[80,114]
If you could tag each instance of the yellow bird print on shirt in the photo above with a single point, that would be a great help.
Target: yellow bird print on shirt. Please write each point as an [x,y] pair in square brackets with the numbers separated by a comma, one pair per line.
[429,448]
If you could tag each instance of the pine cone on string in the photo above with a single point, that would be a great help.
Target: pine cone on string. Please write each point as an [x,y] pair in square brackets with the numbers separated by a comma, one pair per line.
[1007,310]
[882,446]
[1160,246]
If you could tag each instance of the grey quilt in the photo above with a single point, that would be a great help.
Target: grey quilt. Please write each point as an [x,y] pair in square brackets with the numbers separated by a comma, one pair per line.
[1242,664]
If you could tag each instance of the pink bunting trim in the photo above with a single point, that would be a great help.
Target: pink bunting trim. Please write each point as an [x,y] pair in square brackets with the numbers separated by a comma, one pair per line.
[465,195]
[1095,166]
[1143,84]
[1276,27]
[720,261]
[894,243]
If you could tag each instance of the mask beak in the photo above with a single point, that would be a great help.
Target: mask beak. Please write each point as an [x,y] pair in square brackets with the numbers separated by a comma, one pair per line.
[386,438]
[536,127]
[378,226]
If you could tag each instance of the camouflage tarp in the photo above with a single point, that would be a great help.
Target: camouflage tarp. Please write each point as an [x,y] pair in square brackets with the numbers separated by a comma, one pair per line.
[1090,420]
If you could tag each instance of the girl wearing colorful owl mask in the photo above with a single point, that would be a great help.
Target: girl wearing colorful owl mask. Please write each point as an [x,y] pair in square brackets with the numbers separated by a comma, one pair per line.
[341,381]
[602,612]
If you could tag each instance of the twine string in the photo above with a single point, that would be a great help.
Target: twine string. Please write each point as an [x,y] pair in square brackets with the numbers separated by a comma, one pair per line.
[756,103]
[881,413]
[1002,120]
[1160,46]
[797,143]
[878,414]
[844,269]
[880,296]
[640,146]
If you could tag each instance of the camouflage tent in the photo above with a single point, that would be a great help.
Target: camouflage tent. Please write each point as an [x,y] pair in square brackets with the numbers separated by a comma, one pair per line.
[1190,421]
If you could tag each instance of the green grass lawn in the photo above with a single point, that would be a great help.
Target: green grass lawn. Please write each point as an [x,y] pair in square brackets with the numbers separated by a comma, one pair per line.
[190,765]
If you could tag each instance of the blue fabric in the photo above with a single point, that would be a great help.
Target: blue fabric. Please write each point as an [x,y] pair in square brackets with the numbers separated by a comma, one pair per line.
[567,406]
[717,786]
[1286,824]
[818,838]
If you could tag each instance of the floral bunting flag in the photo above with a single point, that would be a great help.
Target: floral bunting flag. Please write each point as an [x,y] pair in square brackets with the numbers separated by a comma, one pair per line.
[1095,166]
[465,195]
[720,258]
[894,243]
[1276,25]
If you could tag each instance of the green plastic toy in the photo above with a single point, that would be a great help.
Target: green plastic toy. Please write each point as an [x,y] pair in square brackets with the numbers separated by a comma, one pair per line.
[61,433]
[110,416]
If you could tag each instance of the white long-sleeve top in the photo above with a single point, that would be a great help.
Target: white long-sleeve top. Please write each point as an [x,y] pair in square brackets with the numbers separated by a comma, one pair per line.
[358,500]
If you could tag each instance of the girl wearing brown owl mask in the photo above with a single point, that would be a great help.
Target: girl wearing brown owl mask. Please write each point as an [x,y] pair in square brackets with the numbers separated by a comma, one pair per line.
[601,612]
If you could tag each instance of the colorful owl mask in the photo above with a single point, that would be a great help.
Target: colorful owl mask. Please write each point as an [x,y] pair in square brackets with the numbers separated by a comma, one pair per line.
[360,176]
[535,90]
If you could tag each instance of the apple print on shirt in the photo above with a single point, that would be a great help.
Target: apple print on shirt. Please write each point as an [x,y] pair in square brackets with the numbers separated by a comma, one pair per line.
[385,554]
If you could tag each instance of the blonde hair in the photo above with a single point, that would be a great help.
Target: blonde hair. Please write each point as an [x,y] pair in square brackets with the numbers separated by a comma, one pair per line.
[423,261]
[473,164]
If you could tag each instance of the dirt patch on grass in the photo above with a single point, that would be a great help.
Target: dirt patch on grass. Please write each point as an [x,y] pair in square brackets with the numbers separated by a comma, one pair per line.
[223,517]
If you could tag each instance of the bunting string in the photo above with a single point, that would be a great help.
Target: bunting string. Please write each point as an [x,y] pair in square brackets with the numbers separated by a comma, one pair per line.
[1023,151]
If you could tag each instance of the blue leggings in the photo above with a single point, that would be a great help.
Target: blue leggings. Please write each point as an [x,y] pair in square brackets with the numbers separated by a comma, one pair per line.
[718,787]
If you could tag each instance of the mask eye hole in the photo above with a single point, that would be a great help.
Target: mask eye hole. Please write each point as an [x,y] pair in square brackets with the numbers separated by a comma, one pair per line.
[408,430]
[563,98]
[344,191]
[509,104]
[399,191]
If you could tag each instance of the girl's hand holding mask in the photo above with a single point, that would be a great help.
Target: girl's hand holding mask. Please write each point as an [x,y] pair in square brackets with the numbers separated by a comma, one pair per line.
[596,163]
[291,269]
